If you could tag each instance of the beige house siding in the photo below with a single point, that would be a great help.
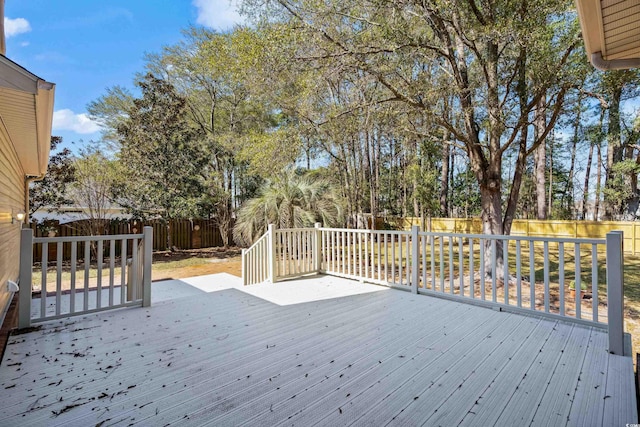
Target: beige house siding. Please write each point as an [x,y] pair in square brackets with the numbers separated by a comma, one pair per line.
[11,201]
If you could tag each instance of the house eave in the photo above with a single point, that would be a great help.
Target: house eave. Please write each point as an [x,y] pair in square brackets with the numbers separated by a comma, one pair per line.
[611,32]
[26,109]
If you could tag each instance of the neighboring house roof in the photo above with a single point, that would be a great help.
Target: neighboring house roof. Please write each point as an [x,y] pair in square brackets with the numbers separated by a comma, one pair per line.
[26,111]
[65,214]
[611,32]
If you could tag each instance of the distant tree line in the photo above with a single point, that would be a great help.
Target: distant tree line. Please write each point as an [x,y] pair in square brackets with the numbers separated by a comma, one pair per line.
[433,108]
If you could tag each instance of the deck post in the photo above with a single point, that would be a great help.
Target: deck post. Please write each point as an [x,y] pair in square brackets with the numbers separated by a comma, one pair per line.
[615,292]
[26,278]
[415,257]
[146,266]
[271,253]
[317,248]
[245,277]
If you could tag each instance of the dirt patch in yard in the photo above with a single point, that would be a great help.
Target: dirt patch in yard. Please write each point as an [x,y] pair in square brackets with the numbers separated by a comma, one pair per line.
[196,262]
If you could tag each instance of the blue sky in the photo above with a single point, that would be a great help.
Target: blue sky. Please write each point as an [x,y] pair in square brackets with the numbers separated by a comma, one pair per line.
[85,46]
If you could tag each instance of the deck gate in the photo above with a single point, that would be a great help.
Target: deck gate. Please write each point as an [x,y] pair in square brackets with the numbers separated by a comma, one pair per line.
[93,280]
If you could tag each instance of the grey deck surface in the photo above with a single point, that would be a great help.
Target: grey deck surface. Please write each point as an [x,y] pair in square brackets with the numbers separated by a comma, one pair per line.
[227,358]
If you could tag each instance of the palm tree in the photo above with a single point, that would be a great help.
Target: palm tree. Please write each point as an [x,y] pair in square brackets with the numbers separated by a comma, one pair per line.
[290,200]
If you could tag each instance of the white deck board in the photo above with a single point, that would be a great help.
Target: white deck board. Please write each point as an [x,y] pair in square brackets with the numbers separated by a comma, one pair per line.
[590,390]
[492,387]
[216,355]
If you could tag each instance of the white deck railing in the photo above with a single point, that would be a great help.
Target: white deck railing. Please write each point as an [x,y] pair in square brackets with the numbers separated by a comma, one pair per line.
[77,287]
[541,272]
[280,254]
[256,261]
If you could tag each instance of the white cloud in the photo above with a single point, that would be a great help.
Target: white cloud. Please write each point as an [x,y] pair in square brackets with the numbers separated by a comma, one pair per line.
[13,27]
[24,44]
[218,14]
[78,123]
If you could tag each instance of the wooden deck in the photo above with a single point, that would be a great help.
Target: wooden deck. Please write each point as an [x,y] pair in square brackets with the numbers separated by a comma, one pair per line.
[227,358]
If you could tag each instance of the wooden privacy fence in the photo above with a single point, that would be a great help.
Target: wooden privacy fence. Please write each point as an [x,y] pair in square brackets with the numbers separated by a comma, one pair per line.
[186,234]
[565,278]
[532,228]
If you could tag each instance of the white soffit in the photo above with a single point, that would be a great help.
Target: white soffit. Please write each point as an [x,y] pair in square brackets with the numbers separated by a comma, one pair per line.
[611,32]
[26,109]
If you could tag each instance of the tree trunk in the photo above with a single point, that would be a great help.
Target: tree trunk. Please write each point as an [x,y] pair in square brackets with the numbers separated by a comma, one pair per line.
[568,195]
[596,207]
[169,234]
[514,192]
[452,166]
[614,155]
[540,162]
[550,191]
[587,174]
[444,189]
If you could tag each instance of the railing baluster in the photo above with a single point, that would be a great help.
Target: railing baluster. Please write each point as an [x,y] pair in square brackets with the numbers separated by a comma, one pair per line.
[259,267]
[43,281]
[300,258]
[532,275]
[291,253]
[360,250]
[423,255]
[494,269]
[346,266]
[136,270]
[367,259]
[546,276]
[472,282]
[349,260]
[331,248]
[561,277]
[482,267]
[461,265]
[400,259]
[578,287]
[379,250]
[432,244]
[519,272]
[112,269]
[408,263]
[308,250]
[393,259]
[74,260]
[451,278]
[87,267]
[442,270]
[336,253]
[594,281]
[59,249]
[99,278]
[325,252]
[386,259]
[123,269]
[305,252]
[505,270]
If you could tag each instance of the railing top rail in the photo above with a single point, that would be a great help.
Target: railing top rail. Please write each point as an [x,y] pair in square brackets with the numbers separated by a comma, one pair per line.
[367,231]
[257,242]
[513,237]
[280,230]
[86,238]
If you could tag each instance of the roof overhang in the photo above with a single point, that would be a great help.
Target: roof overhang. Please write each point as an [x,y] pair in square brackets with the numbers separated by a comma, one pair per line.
[611,32]
[26,112]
